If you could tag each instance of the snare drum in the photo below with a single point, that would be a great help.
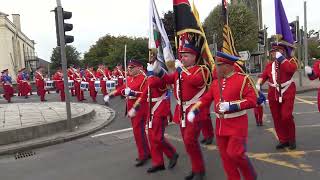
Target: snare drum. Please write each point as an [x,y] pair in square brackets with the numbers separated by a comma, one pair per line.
[49,84]
[111,85]
[115,80]
[97,85]
[70,84]
[84,86]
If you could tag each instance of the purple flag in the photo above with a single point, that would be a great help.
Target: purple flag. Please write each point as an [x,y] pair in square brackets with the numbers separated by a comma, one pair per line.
[282,27]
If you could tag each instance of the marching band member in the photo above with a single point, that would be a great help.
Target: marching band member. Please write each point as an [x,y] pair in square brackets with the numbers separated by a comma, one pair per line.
[7,85]
[40,83]
[90,77]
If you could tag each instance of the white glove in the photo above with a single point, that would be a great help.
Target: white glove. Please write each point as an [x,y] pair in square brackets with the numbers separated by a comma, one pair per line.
[191,116]
[150,67]
[278,54]
[178,64]
[224,106]
[308,70]
[258,87]
[132,112]
[127,91]
[106,98]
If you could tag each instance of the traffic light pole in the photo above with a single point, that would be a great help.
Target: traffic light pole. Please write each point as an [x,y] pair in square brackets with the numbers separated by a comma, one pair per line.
[64,64]
[298,38]
[305,39]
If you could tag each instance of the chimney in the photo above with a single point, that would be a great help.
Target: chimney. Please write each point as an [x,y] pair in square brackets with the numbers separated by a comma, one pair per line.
[16,21]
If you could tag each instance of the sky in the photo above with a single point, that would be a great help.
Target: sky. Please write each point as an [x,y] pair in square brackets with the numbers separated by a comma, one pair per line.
[95,18]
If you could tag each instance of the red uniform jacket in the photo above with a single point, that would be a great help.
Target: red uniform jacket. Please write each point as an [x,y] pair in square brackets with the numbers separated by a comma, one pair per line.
[120,75]
[39,79]
[107,73]
[316,71]
[100,74]
[58,79]
[238,89]
[287,70]
[70,74]
[158,90]
[192,84]
[90,76]
[137,84]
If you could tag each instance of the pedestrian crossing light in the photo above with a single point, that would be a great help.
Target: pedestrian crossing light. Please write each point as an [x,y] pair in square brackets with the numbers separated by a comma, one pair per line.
[261,37]
[66,26]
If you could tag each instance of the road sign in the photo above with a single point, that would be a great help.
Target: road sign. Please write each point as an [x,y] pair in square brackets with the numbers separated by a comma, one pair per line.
[245,55]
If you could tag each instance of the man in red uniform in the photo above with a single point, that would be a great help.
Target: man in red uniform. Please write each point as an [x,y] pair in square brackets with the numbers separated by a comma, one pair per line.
[191,86]
[23,82]
[314,73]
[7,85]
[71,77]
[90,77]
[238,94]
[119,73]
[136,83]
[40,83]
[279,72]
[77,82]
[158,104]
[107,72]
[102,76]
[58,79]
[258,110]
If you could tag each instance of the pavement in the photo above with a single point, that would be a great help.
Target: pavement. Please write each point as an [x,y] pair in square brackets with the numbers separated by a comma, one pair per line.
[35,124]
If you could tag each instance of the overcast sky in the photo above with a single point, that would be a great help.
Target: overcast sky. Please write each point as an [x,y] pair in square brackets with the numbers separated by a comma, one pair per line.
[93,19]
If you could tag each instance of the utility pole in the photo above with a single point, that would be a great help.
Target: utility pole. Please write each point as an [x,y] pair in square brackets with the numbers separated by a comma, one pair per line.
[60,27]
[299,44]
[305,39]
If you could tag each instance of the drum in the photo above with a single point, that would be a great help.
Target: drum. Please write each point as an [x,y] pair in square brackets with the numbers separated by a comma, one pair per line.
[84,86]
[115,80]
[70,84]
[111,85]
[97,85]
[49,84]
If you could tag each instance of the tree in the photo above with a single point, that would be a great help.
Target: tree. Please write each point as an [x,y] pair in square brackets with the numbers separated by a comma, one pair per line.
[110,50]
[313,44]
[168,22]
[73,57]
[242,22]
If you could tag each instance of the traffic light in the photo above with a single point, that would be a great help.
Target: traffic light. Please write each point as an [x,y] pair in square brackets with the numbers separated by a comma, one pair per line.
[66,26]
[261,37]
[294,30]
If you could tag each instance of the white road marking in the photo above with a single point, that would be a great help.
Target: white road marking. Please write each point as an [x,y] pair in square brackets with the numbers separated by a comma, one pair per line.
[111,132]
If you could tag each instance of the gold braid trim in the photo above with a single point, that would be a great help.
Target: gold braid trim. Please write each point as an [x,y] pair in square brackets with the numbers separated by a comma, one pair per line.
[204,77]
[295,60]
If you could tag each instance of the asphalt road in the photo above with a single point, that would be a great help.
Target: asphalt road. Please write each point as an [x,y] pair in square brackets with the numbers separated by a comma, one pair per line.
[111,152]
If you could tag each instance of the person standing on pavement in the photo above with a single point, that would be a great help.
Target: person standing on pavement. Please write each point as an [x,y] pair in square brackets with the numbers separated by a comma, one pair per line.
[281,103]
[91,78]
[237,94]
[314,73]
[158,108]
[58,80]
[7,85]
[40,83]
[137,81]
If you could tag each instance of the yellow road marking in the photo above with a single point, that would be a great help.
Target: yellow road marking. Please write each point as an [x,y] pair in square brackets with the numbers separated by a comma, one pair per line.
[273,132]
[266,156]
[305,101]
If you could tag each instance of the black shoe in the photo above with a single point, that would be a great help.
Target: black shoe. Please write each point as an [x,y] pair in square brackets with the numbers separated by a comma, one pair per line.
[173,161]
[26,97]
[292,145]
[141,162]
[209,141]
[203,140]
[198,176]
[189,176]
[154,169]
[282,145]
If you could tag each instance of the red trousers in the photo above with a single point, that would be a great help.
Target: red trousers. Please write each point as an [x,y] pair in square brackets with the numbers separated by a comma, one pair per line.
[72,91]
[190,135]
[232,151]
[158,143]
[207,128]
[258,114]
[19,89]
[139,132]
[78,91]
[25,88]
[283,119]
[60,87]
[41,91]
[103,85]
[8,92]
[92,91]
